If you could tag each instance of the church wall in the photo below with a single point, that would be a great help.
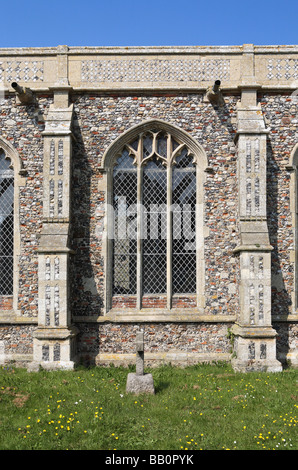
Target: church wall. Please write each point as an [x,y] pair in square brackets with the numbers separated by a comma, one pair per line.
[183,343]
[100,120]
[281,117]
[22,127]
[105,110]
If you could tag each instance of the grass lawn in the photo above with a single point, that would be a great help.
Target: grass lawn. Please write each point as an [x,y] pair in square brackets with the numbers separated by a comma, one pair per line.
[202,407]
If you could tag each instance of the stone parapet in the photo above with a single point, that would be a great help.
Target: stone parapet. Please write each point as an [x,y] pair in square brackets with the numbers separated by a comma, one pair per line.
[143,68]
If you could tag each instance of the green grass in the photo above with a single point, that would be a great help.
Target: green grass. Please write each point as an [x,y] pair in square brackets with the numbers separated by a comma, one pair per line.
[206,407]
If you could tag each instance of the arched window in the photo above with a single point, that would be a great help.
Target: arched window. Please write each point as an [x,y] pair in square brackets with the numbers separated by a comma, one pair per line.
[155,227]
[6,225]
[12,178]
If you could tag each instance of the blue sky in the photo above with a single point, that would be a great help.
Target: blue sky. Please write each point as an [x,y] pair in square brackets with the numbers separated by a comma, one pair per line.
[41,23]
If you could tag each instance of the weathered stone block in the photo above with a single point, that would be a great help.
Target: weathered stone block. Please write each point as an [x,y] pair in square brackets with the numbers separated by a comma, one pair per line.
[138,384]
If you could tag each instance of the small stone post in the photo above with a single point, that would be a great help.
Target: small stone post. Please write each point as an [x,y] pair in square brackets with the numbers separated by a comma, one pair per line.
[139,382]
[140,353]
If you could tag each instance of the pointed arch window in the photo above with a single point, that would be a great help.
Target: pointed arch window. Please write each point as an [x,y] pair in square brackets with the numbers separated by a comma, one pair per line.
[6,225]
[155,248]
[12,178]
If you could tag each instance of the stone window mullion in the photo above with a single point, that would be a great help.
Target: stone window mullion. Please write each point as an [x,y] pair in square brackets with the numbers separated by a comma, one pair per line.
[169,236]
[140,227]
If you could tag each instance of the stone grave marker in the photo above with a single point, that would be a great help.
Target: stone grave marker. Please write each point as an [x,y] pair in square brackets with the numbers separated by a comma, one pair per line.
[139,382]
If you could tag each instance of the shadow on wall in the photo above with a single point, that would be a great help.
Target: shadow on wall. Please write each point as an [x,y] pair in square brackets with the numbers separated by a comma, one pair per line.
[224,113]
[86,266]
[280,298]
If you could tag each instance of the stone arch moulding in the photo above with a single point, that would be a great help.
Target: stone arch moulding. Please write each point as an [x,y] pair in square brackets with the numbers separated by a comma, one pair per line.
[116,146]
[12,154]
[19,180]
[294,156]
[201,163]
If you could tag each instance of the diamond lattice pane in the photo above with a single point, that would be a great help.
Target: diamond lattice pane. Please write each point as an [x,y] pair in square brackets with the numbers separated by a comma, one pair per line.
[183,225]
[125,246]
[155,239]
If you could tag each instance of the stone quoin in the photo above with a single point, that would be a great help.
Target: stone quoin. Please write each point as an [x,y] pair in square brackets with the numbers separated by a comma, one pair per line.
[153,189]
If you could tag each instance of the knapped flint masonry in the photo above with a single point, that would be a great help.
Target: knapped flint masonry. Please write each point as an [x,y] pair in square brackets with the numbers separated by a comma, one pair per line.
[149,188]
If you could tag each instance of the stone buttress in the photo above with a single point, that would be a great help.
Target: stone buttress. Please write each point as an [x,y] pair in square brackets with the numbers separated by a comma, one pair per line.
[254,337]
[54,338]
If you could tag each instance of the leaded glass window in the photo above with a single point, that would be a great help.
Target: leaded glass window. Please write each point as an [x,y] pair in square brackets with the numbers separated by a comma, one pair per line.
[184,246]
[6,225]
[125,248]
[154,202]
[154,253]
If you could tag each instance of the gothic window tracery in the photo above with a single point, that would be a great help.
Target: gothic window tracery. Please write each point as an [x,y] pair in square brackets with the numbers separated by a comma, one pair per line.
[154,202]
